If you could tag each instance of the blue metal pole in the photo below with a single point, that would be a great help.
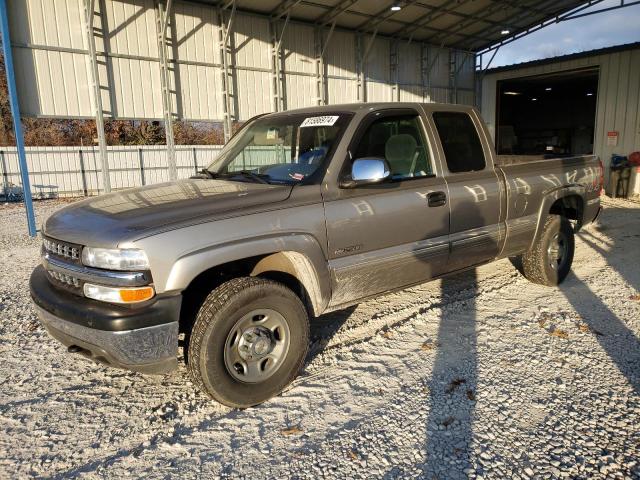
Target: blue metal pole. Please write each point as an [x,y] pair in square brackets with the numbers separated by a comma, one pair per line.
[15,110]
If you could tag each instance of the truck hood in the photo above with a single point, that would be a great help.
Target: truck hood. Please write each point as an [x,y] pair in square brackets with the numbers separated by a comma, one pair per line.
[109,220]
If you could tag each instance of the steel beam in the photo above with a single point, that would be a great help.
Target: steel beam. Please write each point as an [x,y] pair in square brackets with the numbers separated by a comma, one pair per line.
[15,112]
[453,77]
[96,93]
[278,101]
[550,18]
[335,12]
[576,14]
[226,27]
[522,33]
[317,49]
[424,74]
[394,73]
[362,53]
[466,16]
[422,21]
[456,30]
[381,16]
[162,21]
[283,8]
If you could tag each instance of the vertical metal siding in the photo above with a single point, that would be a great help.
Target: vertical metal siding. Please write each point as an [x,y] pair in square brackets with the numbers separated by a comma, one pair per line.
[340,55]
[409,64]
[251,42]
[298,48]
[52,64]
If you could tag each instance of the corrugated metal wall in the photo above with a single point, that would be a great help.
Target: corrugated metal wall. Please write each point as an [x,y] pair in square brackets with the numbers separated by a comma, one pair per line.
[618,105]
[53,67]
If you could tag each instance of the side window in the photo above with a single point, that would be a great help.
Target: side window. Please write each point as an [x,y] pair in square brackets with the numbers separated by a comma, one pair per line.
[400,141]
[460,142]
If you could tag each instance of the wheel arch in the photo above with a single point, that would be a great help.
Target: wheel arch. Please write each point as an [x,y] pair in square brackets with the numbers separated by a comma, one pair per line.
[294,260]
[566,201]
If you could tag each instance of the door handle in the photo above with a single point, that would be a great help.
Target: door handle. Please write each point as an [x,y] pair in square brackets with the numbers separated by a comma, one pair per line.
[437,199]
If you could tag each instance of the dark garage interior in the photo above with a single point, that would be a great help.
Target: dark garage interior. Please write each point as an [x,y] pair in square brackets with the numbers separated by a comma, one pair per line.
[547,115]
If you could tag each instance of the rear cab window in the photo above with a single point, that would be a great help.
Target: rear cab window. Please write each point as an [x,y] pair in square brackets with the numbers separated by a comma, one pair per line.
[460,142]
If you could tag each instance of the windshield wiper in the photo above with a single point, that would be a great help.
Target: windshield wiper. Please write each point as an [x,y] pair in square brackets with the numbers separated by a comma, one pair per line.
[204,173]
[260,178]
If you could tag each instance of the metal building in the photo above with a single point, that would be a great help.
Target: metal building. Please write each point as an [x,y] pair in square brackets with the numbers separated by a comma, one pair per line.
[227,60]
[587,102]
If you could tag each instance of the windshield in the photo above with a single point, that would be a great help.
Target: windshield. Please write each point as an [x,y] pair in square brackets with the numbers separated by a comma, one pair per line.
[280,149]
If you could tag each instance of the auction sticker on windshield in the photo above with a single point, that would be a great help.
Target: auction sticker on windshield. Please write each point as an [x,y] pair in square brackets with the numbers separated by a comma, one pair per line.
[325,121]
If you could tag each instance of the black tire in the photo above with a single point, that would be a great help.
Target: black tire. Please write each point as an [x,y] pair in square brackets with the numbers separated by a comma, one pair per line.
[539,265]
[218,315]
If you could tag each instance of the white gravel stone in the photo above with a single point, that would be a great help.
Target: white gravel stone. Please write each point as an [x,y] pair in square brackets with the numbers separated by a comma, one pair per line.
[368,406]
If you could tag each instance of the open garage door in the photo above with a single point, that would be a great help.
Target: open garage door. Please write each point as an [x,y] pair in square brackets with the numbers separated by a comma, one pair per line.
[547,115]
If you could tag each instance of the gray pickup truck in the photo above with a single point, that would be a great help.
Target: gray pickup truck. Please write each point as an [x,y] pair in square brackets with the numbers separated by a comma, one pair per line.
[301,213]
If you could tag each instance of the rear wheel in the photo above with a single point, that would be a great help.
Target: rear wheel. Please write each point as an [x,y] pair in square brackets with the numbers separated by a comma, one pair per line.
[549,261]
[248,342]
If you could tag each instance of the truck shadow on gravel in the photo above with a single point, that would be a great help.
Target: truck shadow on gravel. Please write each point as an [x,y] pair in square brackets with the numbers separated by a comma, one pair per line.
[616,339]
[453,383]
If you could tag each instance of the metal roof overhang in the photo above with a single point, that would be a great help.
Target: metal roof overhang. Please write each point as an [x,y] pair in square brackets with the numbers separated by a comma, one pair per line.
[471,25]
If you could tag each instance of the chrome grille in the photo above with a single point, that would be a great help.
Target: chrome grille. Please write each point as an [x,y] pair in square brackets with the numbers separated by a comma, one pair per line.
[64,278]
[61,249]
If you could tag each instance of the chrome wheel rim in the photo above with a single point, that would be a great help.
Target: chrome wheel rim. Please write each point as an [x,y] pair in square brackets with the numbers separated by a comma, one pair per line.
[557,251]
[256,346]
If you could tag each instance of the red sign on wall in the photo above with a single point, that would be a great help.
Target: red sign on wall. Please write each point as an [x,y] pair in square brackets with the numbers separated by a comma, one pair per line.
[612,139]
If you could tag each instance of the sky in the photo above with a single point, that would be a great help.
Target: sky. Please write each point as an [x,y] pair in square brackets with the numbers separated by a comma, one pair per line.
[605,29]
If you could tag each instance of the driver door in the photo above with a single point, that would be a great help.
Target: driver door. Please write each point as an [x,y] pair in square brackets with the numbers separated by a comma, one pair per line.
[392,234]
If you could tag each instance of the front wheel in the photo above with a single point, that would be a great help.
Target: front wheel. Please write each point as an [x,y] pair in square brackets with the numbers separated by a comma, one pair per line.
[249,341]
[549,260]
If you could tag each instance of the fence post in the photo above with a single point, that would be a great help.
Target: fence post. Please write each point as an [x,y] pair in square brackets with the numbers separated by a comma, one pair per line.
[141,160]
[83,173]
[195,160]
[5,175]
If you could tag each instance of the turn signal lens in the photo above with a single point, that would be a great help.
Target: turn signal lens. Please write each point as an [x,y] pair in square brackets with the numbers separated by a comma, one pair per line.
[118,295]
[136,295]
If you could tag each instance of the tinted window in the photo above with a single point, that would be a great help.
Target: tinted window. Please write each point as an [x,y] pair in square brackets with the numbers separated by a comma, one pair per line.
[460,141]
[400,142]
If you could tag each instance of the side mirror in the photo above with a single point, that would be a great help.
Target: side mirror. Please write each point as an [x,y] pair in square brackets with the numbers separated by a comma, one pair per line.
[366,171]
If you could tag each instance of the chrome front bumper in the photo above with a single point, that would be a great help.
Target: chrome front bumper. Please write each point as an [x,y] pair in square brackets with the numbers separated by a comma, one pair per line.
[150,349]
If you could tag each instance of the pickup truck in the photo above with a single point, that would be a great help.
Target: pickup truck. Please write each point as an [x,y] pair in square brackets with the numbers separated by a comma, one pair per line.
[301,213]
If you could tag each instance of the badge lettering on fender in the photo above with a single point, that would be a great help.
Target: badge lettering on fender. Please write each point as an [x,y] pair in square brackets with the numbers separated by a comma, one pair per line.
[349,249]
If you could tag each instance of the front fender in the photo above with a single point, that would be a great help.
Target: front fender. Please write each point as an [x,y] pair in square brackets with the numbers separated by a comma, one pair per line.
[298,254]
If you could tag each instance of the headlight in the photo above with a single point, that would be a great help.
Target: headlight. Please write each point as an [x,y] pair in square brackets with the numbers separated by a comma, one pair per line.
[115,259]
[118,295]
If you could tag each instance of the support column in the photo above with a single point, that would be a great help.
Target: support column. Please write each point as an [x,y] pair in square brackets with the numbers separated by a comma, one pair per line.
[361,89]
[453,88]
[277,103]
[424,72]
[96,94]
[362,54]
[15,112]
[225,30]
[393,70]
[162,22]
[321,74]
[320,84]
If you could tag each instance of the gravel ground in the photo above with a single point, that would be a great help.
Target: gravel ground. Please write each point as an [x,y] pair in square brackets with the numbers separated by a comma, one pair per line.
[481,375]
